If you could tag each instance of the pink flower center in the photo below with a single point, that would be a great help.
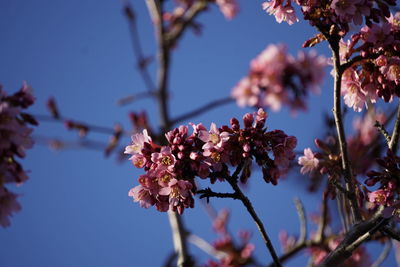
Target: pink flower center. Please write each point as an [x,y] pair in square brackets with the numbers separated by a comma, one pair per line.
[165,178]
[394,71]
[214,138]
[216,156]
[138,162]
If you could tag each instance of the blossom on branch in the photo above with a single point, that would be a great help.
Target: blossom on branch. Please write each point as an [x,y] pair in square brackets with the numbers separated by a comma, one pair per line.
[15,139]
[170,170]
[277,78]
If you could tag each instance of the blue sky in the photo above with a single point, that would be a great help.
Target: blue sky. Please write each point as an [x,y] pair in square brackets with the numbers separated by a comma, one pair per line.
[76,211]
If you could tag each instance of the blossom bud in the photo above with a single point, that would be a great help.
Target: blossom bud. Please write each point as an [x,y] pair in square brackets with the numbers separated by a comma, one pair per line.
[248,120]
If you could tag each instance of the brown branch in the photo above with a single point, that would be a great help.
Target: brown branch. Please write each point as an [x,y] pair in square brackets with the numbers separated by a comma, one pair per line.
[178,230]
[207,193]
[302,219]
[320,236]
[233,181]
[394,140]
[202,109]
[348,173]
[176,32]
[142,61]
[381,128]
[89,127]
[358,234]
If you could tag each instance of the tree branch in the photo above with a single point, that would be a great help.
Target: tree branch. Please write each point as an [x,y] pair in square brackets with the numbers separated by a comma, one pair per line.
[176,32]
[394,140]
[142,61]
[348,173]
[232,180]
[302,220]
[178,230]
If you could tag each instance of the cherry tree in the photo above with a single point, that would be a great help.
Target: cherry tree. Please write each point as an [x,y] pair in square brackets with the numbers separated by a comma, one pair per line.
[354,172]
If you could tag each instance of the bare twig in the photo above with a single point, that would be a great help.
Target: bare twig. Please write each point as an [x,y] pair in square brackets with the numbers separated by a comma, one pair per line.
[246,202]
[206,247]
[142,61]
[394,140]
[202,109]
[178,230]
[382,257]
[302,220]
[89,127]
[358,234]
[348,173]
[320,236]
[130,98]
[176,32]
[381,128]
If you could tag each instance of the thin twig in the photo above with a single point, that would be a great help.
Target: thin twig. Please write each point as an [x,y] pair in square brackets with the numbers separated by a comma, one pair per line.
[207,107]
[130,98]
[320,236]
[394,140]
[302,220]
[207,193]
[137,47]
[381,128]
[358,234]
[246,202]
[206,247]
[348,173]
[382,257]
[176,32]
[89,127]
[178,230]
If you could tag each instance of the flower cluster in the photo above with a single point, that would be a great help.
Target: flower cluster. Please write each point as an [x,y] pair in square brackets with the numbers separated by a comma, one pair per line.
[229,252]
[277,78]
[331,12]
[229,8]
[15,138]
[363,146]
[206,153]
[388,179]
[378,75]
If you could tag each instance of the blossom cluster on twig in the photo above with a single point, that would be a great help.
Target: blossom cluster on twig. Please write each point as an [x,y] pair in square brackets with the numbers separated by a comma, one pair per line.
[206,153]
[278,79]
[15,139]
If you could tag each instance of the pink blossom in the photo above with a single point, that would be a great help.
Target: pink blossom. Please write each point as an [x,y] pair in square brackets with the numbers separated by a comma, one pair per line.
[165,159]
[8,205]
[351,89]
[138,141]
[180,196]
[379,196]
[379,35]
[391,70]
[311,68]
[366,127]
[138,160]
[246,93]
[281,12]
[213,138]
[228,7]
[142,195]
[308,161]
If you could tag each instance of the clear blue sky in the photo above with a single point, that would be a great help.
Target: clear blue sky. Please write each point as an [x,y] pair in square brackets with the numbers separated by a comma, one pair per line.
[76,211]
